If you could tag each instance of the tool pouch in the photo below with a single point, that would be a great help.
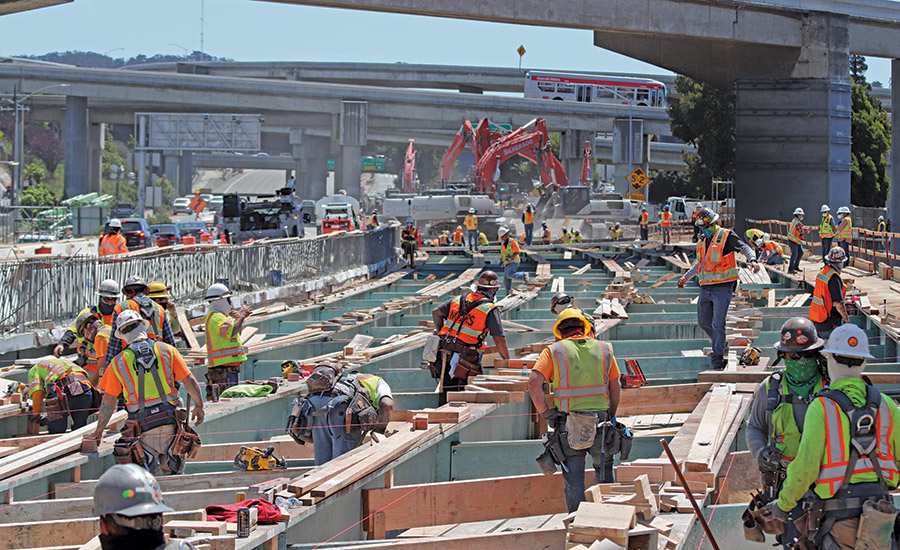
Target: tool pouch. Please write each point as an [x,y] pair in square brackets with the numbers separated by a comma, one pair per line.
[465,369]
[128,449]
[581,429]
[57,407]
[876,525]
[187,442]
[752,530]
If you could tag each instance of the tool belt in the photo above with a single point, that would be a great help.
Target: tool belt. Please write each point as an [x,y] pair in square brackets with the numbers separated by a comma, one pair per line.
[867,501]
[468,353]
[57,407]
[187,442]
[154,417]
[127,449]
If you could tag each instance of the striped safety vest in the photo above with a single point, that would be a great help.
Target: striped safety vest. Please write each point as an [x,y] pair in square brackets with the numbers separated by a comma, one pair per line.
[124,367]
[545,236]
[223,347]
[785,432]
[665,219]
[645,219]
[112,244]
[471,222]
[156,317]
[775,248]
[795,234]
[87,349]
[882,227]
[826,227]
[470,329]
[845,232]
[715,266]
[580,373]
[458,237]
[47,371]
[820,308]
[509,252]
[528,217]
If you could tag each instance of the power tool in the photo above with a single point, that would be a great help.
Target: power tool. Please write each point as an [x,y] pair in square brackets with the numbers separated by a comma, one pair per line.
[254,458]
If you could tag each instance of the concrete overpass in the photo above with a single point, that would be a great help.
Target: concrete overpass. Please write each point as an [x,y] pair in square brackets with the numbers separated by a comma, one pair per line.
[15,6]
[788,60]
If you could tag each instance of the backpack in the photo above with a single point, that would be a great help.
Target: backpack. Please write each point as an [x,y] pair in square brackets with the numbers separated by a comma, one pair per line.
[322,378]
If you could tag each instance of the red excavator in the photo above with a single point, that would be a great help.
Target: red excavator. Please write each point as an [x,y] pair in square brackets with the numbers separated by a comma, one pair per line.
[408,184]
[478,139]
[531,141]
[587,165]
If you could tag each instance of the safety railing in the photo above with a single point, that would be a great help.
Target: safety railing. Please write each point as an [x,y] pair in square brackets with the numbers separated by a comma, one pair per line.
[679,230]
[53,289]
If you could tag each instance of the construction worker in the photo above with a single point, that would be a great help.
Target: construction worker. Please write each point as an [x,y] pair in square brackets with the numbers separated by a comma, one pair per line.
[409,238]
[108,292]
[463,324]
[578,238]
[718,274]
[826,229]
[579,369]
[136,299]
[113,242]
[224,352]
[882,226]
[562,301]
[772,252]
[545,234]
[145,374]
[827,309]
[339,420]
[848,456]
[753,236]
[444,238]
[795,240]
[616,231]
[372,222]
[665,222]
[528,222]
[566,238]
[482,240]
[471,223]
[844,231]
[644,223]
[94,337]
[509,259]
[158,291]
[58,389]
[696,227]
[131,507]
[779,405]
[458,236]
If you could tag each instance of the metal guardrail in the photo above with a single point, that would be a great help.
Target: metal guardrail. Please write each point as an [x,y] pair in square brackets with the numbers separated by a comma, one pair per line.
[53,289]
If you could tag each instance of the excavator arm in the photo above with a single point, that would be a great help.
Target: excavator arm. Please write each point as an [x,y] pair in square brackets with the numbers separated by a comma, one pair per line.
[587,165]
[409,168]
[465,136]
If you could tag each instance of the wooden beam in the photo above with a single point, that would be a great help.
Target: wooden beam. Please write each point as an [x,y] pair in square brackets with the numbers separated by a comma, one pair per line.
[672,398]
[715,376]
[543,539]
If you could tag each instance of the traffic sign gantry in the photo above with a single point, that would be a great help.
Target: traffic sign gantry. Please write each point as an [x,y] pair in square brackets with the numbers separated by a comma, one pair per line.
[637,178]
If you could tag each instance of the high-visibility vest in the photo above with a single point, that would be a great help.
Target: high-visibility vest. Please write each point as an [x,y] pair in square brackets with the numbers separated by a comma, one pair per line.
[645,219]
[716,266]
[821,305]
[665,219]
[845,231]
[529,217]
[577,238]
[88,349]
[754,234]
[105,319]
[580,373]
[157,316]
[826,227]
[409,235]
[113,244]
[775,248]
[483,240]
[458,237]
[471,329]
[125,369]
[836,457]
[47,371]
[616,233]
[223,347]
[509,252]
[795,234]
[785,432]
[882,226]
[370,382]
[471,222]
[545,236]
[443,239]
[372,223]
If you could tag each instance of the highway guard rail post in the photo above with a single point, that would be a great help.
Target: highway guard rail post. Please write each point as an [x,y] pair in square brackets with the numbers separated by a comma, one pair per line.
[53,289]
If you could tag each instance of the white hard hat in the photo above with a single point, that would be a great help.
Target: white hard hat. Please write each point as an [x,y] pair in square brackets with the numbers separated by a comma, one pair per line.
[502,231]
[848,340]
[881,218]
[126,320]
[843,210]
[115,222]
[798,212]
[759,241]
[217,291]
[108,289]
[765,237]
[825,208]
[471,210]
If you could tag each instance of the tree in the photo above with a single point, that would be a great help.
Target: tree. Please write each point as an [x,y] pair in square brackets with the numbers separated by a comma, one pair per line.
[37,195]
[704,116]
[668,183]
[35,173]
[870,141]
[858,68]
[110,155]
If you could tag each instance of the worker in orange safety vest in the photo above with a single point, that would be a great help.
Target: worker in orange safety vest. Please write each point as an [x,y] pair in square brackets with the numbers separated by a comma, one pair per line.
[665,221]
[113,242]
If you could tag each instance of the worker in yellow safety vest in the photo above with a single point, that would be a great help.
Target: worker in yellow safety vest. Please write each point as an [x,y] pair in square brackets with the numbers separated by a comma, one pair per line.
[577,238]
[644,223]
[844,232]
[482,240]
[665,222]
[471,223]
[528,222]
[717,270]
[509,259]
[584,376]
[224,351]
[372,222]
[144,374]
[94,337]
[846,464]
[444,238]
[58,389]
[826,228]
[795,240]
[827,309]
[108,295]
[616,231]
[113,242]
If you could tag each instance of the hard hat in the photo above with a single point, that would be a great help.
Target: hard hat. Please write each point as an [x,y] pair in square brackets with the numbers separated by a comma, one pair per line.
[85,320]
[134,282]
[108,288]
[343,192]
[488,280]
[666,208]
[543,224]
[502,231]
[115,222]
[643,208]
[374,210]
[157,289]
[567,318]
[848,340]
[836,256]
[459,228]
[217,291]
[617,224]
[766,237]
[560,299]
[798,212]
[759,241]
[128,490]
[750,357]
[843,210]
[409,221]
[825,209]
[881,218]
[799,334]
[706,217]
[529,207]
[578,232]
[126,320]
[471,210]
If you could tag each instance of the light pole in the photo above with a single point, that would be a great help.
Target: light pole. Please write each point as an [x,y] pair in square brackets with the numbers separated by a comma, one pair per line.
[180,46]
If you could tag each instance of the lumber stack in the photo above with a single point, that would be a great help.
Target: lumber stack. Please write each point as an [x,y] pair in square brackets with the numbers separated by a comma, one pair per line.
[747,276]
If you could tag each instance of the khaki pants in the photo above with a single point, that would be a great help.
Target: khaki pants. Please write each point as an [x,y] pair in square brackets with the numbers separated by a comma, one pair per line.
[157,443]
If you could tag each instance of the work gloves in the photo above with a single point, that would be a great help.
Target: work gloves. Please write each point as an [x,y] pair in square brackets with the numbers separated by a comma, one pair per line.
[769,459]
[553,417]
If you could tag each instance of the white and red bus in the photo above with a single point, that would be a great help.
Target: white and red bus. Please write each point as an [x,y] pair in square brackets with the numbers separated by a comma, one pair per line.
[588,88]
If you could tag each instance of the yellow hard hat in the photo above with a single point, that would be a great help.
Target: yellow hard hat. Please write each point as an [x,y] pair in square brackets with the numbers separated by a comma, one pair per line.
[157,289]
[566,315]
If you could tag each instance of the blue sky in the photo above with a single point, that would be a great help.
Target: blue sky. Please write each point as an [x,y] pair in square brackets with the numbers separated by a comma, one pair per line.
[247,30]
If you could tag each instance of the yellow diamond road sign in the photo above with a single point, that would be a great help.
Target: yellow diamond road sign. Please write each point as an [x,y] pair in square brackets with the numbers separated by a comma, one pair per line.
[521,50]
[637,179]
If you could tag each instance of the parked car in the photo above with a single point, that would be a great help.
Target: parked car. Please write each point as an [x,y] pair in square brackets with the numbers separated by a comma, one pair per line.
[122,210]
[195,229]
[137,233]
[215,204]
[166,234]
[182,205]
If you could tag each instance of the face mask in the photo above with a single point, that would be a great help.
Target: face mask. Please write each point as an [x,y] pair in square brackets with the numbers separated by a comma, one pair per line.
[801,372]
[105,308]
[706,232]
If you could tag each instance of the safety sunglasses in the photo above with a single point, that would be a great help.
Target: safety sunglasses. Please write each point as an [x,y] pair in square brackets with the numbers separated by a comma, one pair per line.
[108,300]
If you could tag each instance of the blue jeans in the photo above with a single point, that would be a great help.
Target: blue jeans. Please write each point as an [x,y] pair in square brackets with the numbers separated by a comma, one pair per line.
[796,254]
[473,238]
[573,480]
[529,233]
[774,259]
[510,272]
[330,438]
[826,245]
[645,232]
[846,246]
[712,306]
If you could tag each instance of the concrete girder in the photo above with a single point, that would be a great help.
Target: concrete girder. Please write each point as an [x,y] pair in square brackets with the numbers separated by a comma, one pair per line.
[15,6]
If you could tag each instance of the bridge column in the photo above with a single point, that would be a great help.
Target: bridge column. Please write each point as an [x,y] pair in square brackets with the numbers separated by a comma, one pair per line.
[171,164]
[185,173]
[76,147]
[894,202]
[625,158]
[311,156]
[95,158]
[571,149]
[353,136]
